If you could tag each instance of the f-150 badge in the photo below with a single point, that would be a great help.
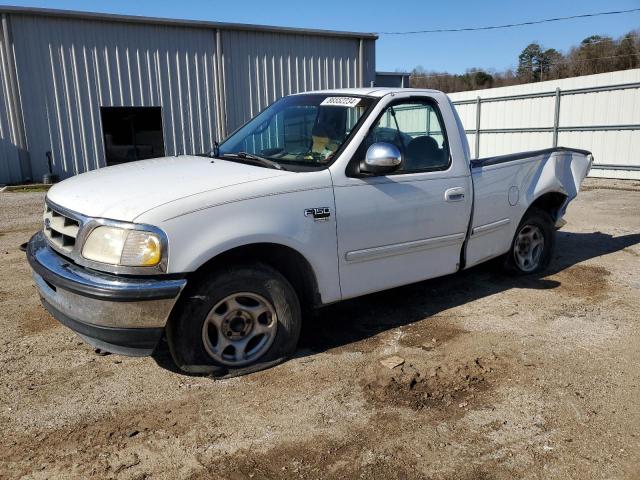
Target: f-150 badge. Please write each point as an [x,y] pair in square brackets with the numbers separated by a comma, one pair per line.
[318,213]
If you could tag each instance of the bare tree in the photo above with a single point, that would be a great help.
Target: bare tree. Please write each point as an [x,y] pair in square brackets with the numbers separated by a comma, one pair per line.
[627,52]
[595,54]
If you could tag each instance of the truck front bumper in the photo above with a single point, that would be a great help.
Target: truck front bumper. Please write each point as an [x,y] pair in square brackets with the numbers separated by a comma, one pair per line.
[125,315]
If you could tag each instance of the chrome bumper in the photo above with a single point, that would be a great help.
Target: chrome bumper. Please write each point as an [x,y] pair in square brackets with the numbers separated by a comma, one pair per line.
[118,314]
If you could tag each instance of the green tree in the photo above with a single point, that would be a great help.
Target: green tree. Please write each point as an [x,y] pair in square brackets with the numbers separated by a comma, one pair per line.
[482,79]
[549,62]
[529,63]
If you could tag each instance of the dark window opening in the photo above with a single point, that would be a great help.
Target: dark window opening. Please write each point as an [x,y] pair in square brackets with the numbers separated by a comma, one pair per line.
[132,133]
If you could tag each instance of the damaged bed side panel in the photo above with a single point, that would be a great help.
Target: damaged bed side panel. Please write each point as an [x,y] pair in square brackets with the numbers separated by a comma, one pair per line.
[505,187]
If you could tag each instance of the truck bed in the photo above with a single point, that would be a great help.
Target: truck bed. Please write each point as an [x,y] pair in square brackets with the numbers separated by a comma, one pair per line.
[505,186]
[510,157]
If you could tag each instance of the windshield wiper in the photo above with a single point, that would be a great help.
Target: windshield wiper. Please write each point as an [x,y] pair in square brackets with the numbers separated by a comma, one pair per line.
[265,162]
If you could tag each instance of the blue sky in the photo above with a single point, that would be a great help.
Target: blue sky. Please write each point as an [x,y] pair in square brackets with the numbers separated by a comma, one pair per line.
[453,52]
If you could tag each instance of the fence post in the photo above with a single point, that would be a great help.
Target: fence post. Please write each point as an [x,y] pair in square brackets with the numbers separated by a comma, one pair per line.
[556,118]
[478,103]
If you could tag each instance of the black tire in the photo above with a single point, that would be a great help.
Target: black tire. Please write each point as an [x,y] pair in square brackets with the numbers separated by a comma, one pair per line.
[186,328]
[534,220]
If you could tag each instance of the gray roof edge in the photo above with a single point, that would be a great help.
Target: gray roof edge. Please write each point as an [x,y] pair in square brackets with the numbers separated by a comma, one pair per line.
[114,17]
[394,73]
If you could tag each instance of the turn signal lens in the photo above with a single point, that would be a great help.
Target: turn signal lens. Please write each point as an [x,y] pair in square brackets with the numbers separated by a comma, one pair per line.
[141,249]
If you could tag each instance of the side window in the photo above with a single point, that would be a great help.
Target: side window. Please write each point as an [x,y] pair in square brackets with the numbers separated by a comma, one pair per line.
[416,129]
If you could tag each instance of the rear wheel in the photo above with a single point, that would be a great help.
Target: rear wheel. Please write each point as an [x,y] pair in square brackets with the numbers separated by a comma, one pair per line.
[532,246]
[241,319]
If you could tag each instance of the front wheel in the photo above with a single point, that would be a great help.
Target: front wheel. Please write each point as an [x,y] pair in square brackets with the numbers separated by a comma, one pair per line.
[237,320]
[533,244]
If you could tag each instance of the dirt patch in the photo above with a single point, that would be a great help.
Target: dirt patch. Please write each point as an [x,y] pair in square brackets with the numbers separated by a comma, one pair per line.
[633,188]
[585,281]
[29,229]
[321,457]
[439,385]
[591,184]
[113,433]
[430,333]
[35,320]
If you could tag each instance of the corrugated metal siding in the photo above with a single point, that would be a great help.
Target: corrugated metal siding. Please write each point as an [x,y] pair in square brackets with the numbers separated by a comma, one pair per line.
[503,143]
[9,156]
[68,69]
[416,120]
[617,107]
[531,112]
[370,63]
[261,67]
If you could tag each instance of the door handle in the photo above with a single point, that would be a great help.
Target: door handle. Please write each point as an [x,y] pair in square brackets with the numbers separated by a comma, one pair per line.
[454,194]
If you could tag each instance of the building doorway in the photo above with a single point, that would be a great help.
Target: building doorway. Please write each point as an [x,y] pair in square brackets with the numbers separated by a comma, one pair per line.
[132,133]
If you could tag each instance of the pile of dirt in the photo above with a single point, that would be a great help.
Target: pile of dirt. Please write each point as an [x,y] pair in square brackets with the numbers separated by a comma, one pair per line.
[418,386]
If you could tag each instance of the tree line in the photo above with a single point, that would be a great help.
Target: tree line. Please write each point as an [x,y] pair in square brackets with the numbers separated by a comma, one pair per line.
[595,54]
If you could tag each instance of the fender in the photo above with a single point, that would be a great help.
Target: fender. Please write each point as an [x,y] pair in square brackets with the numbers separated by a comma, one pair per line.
[198,236]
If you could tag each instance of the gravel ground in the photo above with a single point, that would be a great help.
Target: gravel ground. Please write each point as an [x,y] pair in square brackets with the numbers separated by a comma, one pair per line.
[502,378]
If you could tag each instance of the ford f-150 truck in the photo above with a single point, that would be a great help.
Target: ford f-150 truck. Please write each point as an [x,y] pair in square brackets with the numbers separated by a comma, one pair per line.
[321,197]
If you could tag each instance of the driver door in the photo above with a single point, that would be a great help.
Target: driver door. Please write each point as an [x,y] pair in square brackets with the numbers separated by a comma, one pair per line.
[408,225]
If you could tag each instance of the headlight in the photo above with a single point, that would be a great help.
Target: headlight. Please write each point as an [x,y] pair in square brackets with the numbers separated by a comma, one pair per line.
[119,246]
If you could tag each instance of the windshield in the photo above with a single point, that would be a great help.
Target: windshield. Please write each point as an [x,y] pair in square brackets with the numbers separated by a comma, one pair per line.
[300,129]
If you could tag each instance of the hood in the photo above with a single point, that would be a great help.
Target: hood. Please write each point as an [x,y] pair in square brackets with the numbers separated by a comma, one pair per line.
[124,192]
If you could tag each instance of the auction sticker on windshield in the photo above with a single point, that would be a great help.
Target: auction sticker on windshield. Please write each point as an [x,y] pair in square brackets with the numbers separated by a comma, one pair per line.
[341,101]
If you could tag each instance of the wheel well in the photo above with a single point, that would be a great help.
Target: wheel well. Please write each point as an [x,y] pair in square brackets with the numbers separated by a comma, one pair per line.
[550,202]
[289,262]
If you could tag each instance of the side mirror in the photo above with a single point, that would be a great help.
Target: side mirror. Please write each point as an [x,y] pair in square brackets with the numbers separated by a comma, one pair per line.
[381,157]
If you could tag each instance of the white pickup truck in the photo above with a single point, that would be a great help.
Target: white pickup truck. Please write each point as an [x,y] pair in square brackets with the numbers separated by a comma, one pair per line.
[321,197]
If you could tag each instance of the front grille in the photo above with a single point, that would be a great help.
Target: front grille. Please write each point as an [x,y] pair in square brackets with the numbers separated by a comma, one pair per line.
[61,230]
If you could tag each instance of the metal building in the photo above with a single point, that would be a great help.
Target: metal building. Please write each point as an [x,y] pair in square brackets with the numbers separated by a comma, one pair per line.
[393,79]
[97,89]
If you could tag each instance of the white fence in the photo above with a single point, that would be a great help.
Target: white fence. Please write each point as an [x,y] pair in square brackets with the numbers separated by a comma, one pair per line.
[599,113]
